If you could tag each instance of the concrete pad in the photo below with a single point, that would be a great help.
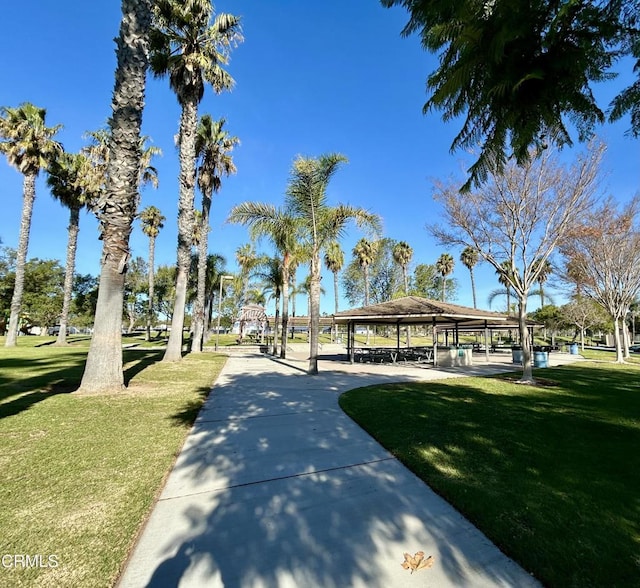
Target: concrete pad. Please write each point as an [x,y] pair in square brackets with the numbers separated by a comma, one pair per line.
[276,487]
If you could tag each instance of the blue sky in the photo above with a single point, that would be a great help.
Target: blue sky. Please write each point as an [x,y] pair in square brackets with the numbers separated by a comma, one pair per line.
[311,78]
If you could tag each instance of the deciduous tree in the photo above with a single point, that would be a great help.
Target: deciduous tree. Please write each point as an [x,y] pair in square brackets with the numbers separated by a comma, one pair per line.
[604,249]
[518,219]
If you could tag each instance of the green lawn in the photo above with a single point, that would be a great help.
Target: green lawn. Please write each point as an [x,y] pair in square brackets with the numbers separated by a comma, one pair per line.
[550,473]
[80,472]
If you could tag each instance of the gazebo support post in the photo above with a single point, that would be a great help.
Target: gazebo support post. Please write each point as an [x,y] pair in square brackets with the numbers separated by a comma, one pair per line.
[486,341]
[435,341]
[398,336]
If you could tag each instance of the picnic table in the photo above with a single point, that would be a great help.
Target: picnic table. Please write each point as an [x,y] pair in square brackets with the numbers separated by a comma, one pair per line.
[393,355]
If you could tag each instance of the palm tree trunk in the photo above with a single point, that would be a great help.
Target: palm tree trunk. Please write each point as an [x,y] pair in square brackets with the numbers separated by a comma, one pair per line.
[366,294]
[314,312]
[285,305]
[103,369]
[473,288]
[335,302]
[274,349]
[152,275]
[72,244]
[187,133]
[203,246]
[28,197]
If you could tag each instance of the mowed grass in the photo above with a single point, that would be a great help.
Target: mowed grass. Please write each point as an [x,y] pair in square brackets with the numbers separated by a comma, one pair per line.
[80,472]
[550,473]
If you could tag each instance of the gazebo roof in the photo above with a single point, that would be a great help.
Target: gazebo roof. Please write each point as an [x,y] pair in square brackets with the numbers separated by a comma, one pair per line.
[416,310]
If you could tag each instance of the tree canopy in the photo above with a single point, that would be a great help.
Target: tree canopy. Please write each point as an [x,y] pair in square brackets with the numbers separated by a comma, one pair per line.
[517,71]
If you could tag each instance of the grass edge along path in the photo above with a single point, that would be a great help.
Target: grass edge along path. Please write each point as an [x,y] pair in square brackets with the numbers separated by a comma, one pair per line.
[551,473]
[81,472]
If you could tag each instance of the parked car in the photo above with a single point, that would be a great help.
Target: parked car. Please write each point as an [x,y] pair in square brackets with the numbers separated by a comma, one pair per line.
[634,348]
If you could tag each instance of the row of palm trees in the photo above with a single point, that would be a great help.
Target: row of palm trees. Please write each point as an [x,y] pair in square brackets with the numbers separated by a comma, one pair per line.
[187,44]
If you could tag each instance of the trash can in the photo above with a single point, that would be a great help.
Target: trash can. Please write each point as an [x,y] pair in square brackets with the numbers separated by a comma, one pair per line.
[573,349]
[540,359]
[516,354]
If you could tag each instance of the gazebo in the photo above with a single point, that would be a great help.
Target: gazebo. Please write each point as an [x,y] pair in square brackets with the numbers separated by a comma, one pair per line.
[414,310]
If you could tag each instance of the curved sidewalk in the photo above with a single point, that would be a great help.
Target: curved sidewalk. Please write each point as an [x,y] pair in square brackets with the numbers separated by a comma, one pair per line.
[276,487]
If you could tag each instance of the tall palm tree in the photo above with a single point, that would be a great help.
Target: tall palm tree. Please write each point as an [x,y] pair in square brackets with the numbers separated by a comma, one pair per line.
[444,266]
[269,271]
[215,269]
[334,262]
[402,254]
[265,220]
[306,199]
[365,252]
[70,181]
[29,146]
[152,221]
[546,269]
[503,278]
[116,208]
[469,258]
[247,259]
[191,50]
[213,149]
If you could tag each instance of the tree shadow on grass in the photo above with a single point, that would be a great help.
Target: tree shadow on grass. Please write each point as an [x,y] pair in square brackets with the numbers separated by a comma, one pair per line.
[137,360]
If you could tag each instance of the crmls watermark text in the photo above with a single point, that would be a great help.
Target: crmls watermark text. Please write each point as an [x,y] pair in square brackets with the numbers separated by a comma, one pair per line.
[20,560]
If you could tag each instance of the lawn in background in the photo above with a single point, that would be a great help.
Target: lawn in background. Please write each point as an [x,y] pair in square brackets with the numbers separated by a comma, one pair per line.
[80,472]
[550,473]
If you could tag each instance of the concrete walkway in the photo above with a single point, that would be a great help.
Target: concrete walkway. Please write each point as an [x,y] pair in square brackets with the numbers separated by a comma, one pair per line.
[275,487]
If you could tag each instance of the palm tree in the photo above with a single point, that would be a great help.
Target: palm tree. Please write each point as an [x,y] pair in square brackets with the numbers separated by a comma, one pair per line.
[503,278]
[469,258]
[321,224]
[215,268]
[270,273]
[152,221]
[265,220]
[402,254]
[70,177]
[191,51]
[29,146]
[334,262]
[213,149]
[546,269]
[247,260]
[365,252]
[116,209]
[444,266]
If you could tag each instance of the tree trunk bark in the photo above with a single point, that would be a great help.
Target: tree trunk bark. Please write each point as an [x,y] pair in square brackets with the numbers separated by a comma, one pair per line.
[188,126]
[285,306]
[28,197]
[314,311]
[69,270]
[152,279]
[618,342]
[199,309]
[117,208]
[527,372]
